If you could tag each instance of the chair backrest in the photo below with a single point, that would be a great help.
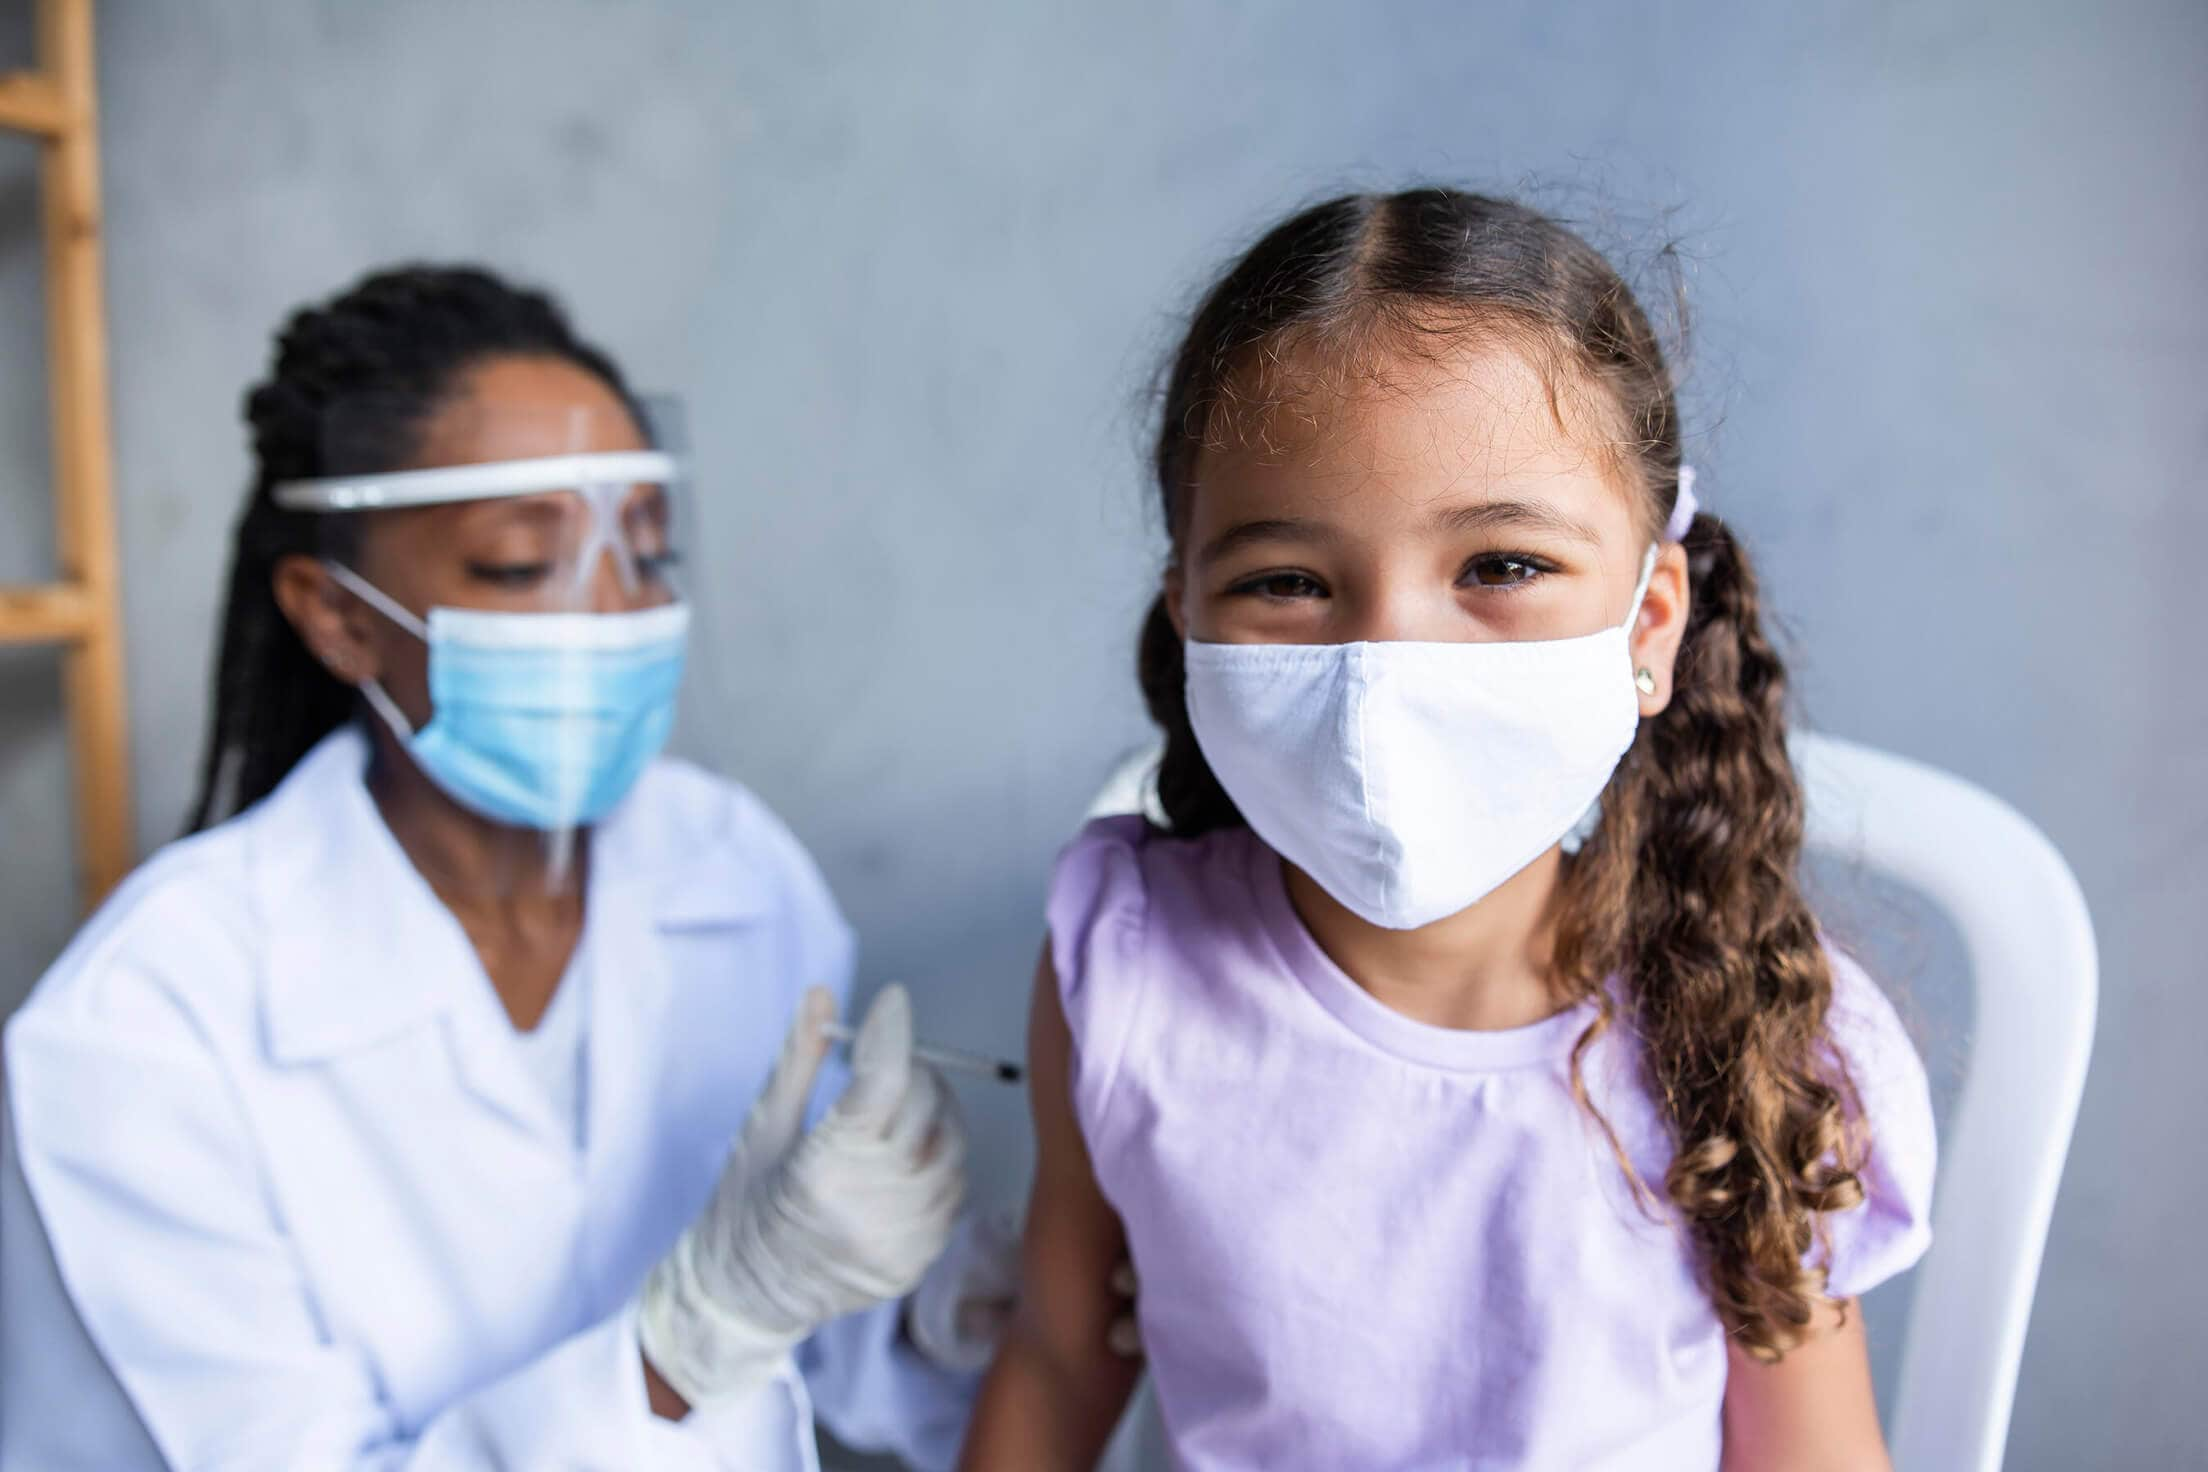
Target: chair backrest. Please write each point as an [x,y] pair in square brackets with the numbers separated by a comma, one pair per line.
[2024,925]
[2029,939]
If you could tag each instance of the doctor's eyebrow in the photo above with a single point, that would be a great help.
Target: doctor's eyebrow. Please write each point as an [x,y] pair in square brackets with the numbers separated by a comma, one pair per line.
[1531,515]
[547,508]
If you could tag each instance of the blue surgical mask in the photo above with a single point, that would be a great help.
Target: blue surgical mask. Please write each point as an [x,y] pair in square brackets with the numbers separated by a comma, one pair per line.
[542,720]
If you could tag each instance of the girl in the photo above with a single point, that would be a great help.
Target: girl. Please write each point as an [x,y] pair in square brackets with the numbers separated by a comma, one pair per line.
[1439,1137]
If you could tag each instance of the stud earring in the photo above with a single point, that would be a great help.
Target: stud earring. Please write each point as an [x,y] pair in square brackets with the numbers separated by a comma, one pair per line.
[1644,680]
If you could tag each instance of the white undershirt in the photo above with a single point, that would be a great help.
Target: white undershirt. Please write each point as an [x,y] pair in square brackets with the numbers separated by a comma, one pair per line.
[553,1051]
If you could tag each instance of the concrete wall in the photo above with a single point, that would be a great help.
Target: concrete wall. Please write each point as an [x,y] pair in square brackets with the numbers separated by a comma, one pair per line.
[911,265]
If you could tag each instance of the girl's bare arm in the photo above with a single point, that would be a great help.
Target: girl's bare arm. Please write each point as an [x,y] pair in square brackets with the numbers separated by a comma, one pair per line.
[1057,1388]
[1813,1411]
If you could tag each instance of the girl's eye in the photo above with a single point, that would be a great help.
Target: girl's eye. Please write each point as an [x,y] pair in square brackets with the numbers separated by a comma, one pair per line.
[1280,585]
[1501,570]
[510,574]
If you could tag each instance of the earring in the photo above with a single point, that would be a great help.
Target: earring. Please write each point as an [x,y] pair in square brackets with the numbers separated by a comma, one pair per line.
[1644,680]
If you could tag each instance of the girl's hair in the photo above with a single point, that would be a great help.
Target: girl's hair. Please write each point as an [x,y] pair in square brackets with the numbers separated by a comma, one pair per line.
[1688,890]
[399,343]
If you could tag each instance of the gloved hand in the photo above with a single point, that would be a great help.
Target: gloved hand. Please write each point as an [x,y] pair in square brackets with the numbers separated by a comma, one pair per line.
[807,1226]
[961,1308]
[959,1311]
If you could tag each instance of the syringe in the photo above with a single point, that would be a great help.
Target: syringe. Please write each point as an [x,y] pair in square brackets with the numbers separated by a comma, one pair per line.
[952,1058]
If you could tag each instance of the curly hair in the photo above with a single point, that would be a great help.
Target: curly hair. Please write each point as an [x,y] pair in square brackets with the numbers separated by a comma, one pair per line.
[354,382]
[1688,892]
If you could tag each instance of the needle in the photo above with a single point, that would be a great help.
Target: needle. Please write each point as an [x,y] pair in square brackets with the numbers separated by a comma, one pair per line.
[953,1058]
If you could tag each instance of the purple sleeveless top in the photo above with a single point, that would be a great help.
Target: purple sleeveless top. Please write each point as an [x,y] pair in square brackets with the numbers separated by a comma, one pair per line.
[1366,1242]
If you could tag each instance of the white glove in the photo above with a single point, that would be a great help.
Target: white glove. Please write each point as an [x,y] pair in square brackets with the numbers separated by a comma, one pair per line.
[805,1227]
[961,1307]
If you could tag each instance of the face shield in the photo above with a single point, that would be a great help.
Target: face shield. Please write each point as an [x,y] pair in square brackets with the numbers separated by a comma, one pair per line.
[567,509]
[535,555]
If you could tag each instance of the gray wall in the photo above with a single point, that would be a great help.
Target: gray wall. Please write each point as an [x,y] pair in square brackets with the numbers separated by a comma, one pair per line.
[911,263]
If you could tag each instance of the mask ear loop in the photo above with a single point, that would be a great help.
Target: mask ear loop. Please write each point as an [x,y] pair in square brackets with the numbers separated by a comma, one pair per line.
[1640,589]
[1683,511]
[1576,837]
[1675,529]
[559,842]
[371,690]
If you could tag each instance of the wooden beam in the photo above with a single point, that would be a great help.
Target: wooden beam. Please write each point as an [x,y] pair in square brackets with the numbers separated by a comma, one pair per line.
[30,103]
[92,674]
[50,613]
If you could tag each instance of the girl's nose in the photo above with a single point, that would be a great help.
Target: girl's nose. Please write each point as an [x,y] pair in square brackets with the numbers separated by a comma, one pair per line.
[1403,614]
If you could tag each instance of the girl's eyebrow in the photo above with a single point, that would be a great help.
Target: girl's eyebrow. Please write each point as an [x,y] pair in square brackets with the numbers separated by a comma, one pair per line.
[1478,517]
[1270,529]
[1487,515]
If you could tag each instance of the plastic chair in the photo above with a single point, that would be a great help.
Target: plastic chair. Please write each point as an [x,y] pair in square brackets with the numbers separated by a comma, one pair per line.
[2024,923]
[2029,937]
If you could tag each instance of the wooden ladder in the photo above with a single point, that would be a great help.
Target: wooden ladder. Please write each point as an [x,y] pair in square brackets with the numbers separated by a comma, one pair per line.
[80,610]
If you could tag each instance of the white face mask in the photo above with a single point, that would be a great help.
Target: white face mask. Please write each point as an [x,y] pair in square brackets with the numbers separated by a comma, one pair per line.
[1410,779]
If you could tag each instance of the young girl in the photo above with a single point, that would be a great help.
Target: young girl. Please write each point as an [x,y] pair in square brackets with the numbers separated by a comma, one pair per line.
[1450,1118]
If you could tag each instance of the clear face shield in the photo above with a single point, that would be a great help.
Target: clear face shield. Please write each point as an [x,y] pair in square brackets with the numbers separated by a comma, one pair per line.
[530,556]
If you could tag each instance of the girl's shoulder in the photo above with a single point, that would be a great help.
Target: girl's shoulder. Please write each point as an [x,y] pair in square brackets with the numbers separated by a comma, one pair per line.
[1864,1022]
[1126,851]
[1125,873]
[1131,903]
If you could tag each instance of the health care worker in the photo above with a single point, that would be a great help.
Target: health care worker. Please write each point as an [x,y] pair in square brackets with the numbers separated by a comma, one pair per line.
[387,1121]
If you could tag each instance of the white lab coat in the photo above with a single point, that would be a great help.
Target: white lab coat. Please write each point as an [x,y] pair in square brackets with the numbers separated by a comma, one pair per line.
[279,1193]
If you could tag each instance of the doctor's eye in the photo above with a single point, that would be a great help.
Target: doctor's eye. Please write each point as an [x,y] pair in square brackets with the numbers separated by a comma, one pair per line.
[510,575]
[1279,586]
[1503,570]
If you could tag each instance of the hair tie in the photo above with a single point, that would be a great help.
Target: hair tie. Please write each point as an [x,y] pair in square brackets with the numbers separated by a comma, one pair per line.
[1683,509]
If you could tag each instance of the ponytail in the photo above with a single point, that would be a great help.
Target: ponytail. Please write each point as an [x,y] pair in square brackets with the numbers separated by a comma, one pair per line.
[1688,891]
[273,700]
[1188,793]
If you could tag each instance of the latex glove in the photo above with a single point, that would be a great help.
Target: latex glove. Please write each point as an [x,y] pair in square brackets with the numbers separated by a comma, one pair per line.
[959,1311]
[805,1226]
[961,1308]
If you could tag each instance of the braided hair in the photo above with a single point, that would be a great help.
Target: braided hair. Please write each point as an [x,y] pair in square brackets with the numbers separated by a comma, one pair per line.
[400,341]
[1688,891]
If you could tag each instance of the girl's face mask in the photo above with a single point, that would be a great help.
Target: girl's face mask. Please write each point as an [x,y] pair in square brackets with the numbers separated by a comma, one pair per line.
[1385,600]
[1409,779]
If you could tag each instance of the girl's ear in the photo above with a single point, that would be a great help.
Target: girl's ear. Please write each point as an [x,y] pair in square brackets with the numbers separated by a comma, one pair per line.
[1174,587]
[1660,625]
[335,626]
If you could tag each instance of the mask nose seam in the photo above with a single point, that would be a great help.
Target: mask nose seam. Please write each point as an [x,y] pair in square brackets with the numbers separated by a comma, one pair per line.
[1368,783]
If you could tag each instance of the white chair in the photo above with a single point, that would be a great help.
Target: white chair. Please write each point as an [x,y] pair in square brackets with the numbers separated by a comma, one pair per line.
[2025,927]
[2029,939]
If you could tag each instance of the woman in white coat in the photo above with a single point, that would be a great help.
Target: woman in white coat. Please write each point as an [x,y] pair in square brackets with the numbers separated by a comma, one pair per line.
[386,1121]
